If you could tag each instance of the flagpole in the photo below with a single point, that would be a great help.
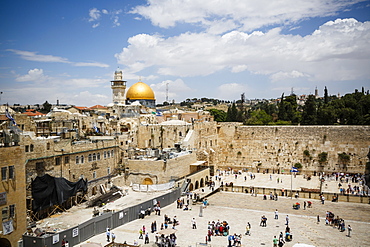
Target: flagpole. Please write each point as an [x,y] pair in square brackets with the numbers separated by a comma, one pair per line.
[291,183]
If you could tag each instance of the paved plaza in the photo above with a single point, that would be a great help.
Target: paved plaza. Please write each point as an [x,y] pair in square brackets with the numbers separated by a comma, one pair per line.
[239,208]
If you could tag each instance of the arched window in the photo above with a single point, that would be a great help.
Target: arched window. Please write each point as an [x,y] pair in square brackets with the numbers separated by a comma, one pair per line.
[82,159]
[98,156]
[90,157]
[112,153]
[47,146]
[77,160]
[105,154]
[31,148]
[108,154]
[94,156]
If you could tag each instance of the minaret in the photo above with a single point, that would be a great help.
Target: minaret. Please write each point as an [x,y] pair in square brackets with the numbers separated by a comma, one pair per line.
[118,87]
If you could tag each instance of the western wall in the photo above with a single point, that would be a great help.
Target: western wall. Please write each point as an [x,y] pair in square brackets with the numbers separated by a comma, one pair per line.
[278,148]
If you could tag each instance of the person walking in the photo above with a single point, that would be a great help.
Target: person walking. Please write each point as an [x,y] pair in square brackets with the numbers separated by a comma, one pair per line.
[146,241]
[304,205]
[287,220]
[275,241]
[318,219]
[349,230]
[108,234]
[113,236]
[194,223]
[276,214]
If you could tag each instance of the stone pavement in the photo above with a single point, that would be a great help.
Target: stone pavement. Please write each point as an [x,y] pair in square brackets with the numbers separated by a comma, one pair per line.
[239,208]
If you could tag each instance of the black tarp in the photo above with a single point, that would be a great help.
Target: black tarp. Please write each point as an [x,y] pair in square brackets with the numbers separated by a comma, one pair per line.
[48,191]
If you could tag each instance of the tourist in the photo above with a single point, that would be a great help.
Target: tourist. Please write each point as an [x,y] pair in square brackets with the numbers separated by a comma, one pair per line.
[287,220]
[304,205]
[275,241]
[141,233]
[349,230]
[108,234]
[146,238]
[194,223]
[276,215]
[318,219]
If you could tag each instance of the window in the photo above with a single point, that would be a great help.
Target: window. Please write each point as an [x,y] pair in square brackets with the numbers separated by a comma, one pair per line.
[98,156]
[31,148]
[12,210]
[4,213]
[112,153]
[105,154]
[11,172]
[48,146]
[94,174]
[66,159]
[58,161]
[108,170]
[4,171]
[82,159]
[108,154]
[77,160]
[90,157]
[94,156]
[27,148]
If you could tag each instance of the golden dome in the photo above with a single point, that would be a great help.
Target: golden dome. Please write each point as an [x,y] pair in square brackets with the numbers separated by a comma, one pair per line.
[140,90]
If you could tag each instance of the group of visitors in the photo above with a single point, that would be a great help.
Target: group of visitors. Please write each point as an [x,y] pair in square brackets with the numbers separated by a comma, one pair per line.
[337,222]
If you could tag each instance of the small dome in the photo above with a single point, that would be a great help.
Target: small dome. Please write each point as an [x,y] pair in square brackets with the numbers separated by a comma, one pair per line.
[140,90]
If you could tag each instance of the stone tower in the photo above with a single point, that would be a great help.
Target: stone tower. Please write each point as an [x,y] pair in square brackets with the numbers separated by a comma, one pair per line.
[118,86]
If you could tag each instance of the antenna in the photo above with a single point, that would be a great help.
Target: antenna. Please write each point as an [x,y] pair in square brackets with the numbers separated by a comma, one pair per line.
[167,91]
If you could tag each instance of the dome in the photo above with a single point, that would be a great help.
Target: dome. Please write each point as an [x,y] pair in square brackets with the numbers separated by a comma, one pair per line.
[140,90]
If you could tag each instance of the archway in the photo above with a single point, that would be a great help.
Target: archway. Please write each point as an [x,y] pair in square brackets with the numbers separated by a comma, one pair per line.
[5,242]
[196,185]
[191,187]
[148,181]
[94,191]
[207,178]
[201,182]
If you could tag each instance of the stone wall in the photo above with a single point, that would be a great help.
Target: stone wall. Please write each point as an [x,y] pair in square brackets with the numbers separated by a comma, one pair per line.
[159,171]
[15,192]
[277,148]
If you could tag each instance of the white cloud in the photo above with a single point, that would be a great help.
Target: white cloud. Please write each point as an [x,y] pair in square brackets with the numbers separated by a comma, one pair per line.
[338,50]
[94,14]
[36,75]
[92,64]
[175,89]
[231,91]
[247,15]
[33,56]
[287,75]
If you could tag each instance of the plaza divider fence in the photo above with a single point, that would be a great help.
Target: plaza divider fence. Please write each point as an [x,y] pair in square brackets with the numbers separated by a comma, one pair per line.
[98,224]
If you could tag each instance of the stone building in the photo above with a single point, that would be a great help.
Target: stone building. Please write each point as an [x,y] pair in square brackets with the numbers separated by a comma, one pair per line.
[12,191]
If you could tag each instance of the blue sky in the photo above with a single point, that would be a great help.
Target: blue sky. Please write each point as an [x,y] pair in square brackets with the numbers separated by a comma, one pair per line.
[68,50]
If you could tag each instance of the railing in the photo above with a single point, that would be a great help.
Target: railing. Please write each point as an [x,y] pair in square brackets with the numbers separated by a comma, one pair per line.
[99,224]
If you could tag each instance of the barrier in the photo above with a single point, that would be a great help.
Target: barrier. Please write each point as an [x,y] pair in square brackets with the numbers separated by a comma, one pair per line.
[99,224]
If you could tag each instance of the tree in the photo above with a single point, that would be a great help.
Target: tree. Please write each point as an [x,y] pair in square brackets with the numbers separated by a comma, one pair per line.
[309,115]
[232,113]
[219,115]
[259,117]
[46,107]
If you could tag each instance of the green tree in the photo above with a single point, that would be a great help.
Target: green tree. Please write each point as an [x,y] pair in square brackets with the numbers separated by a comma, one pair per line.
[259,117]
[309,115]
[232,113]
[46,107]
[219,115]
